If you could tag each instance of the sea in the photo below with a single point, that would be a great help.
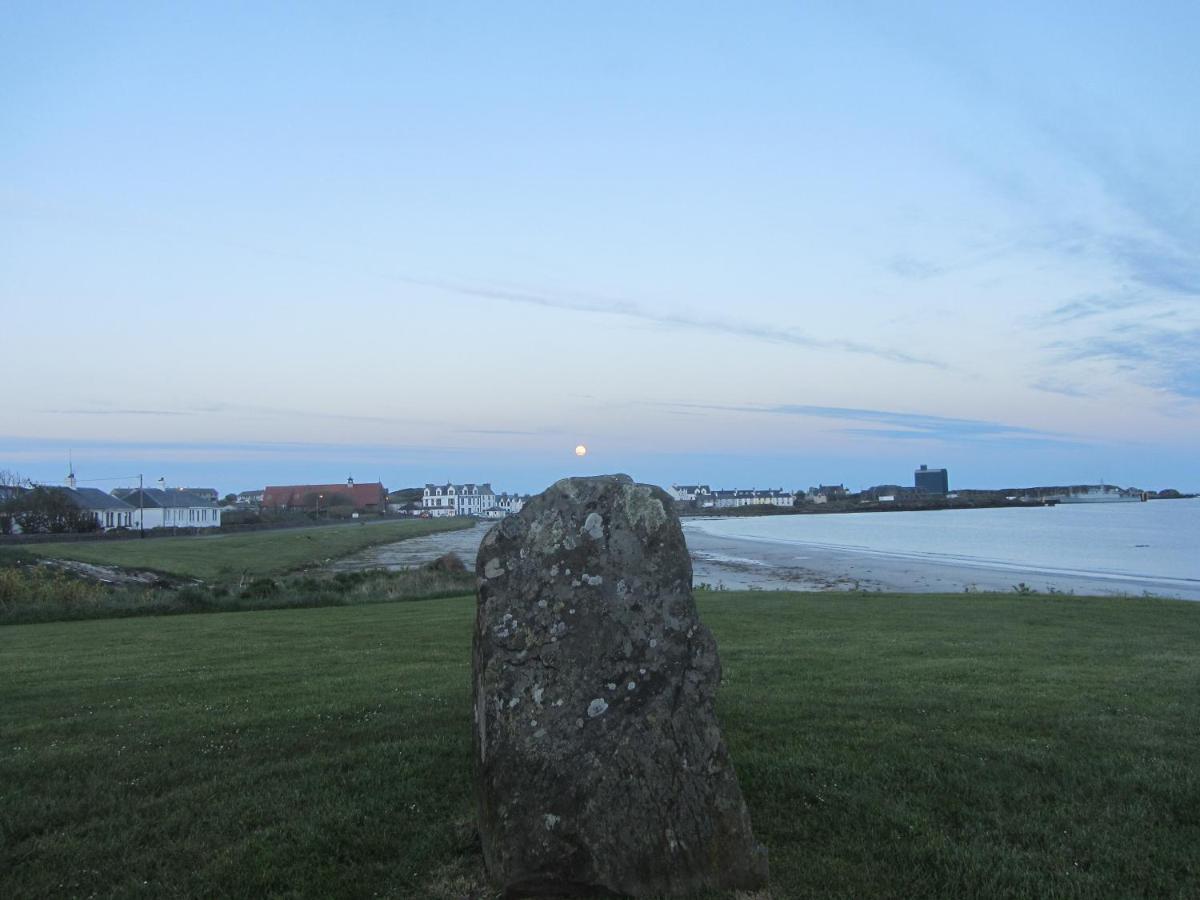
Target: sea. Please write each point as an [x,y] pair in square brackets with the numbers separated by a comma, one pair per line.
[1108,548]
[1156,543]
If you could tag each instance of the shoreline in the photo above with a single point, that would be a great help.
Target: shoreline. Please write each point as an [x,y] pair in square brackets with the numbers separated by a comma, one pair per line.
[739,563]
[747,564]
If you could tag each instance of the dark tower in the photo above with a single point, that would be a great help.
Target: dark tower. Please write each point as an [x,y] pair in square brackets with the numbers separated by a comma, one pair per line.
[931,481]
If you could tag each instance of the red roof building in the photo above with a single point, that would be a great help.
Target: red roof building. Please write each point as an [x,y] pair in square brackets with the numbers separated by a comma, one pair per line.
[370,497]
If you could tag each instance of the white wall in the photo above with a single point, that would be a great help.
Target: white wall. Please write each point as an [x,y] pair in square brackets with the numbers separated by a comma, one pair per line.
[190,517]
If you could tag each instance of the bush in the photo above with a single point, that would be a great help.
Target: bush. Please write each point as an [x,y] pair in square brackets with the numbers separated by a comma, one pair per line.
[448,563]
[36,593]
[260,589]
[194,598]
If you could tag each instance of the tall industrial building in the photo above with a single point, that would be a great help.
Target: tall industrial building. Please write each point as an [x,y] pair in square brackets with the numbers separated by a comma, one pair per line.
[931,481]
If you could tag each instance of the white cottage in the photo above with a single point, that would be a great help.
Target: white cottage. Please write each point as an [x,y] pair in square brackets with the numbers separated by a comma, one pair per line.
[158,508]
[690,493]
[108,511]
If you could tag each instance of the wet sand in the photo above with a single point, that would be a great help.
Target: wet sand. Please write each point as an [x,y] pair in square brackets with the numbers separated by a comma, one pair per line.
[418,551]
[740,564]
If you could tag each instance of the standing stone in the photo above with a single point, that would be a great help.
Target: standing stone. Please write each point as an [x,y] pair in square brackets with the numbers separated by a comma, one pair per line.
[599,764]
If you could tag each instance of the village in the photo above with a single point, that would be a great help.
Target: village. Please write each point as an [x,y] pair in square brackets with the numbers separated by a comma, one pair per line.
[29,508]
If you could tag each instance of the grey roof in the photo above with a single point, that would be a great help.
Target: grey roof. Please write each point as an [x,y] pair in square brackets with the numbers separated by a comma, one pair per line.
[95,499]
[156,498]
[469,487]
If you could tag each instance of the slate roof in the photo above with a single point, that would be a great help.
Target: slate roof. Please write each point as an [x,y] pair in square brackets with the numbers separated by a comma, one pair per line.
[95,499]
[468,488]
[156,498]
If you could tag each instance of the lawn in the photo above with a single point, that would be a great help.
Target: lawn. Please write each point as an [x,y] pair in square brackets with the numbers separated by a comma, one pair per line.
[232,555]
[888,745]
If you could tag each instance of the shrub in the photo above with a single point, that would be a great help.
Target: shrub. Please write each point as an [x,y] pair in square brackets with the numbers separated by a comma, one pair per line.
[447,563]
[260,589]
[194,598]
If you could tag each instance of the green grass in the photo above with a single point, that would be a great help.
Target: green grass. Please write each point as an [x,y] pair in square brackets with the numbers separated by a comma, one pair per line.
[255,553]
[43,594]
[888,745]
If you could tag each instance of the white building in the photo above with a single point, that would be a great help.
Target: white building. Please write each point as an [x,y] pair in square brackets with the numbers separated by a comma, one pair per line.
[158,508]
[469,500]
[457,499]
[752,497]
[689,493]
[511,504]
[108,511]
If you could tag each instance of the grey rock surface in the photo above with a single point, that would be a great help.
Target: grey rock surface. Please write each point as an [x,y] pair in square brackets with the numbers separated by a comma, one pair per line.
[599,763]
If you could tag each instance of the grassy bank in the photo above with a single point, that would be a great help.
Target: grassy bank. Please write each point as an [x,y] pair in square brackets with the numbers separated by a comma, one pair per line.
[888,745]
[44,594]
[229,556]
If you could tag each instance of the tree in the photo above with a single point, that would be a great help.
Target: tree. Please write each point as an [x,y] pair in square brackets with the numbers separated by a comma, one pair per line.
[12,486]
[8,478]
[44,510]
[230,499]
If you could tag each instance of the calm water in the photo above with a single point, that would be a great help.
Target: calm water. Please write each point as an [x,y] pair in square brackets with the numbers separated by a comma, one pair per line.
[1157,541]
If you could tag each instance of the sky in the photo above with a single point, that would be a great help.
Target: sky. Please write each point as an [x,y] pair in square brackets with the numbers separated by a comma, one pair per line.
[748,245]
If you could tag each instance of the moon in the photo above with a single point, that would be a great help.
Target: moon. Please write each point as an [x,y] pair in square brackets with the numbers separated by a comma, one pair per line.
[581,450]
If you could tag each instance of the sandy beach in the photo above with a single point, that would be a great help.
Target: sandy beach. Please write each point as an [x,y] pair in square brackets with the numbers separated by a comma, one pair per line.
[761,565]
[721,562]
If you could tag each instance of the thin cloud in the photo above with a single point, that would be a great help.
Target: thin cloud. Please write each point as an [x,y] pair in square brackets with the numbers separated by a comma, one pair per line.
[1055,386]
[115,412]
[37,448]
[1092,305]
[1157,266]
[902,424]
[627,310]
[1165,359]
[234,409]
[508,431]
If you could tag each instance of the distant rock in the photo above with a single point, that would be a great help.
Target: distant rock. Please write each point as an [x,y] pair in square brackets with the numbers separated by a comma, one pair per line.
[599,763]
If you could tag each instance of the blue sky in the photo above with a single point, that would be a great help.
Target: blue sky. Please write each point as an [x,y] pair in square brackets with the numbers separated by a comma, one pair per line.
[753,244]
